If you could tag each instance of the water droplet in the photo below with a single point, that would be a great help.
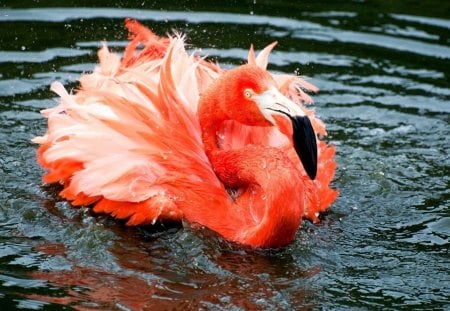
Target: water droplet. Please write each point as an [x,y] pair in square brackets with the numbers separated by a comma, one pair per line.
[251,12]
[23,48]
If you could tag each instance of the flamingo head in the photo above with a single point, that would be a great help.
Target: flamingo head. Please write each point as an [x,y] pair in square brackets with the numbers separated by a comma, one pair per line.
[250,96]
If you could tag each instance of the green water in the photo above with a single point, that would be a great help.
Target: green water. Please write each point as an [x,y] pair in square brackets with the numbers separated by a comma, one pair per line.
[383,69]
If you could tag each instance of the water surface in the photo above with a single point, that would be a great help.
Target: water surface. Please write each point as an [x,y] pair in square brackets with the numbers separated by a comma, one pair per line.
[383,70]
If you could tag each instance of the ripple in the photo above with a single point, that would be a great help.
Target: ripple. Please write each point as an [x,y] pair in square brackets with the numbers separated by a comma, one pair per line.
[432,21]
[297,28]
[39,57]
[406,32]
[326,34]
[436,232]
[330,14]
[39,81]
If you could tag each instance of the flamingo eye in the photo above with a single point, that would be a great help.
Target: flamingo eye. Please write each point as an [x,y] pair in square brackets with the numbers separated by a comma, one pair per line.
[248,93]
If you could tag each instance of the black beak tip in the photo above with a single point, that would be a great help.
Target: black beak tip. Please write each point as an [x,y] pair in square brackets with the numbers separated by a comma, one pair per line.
[305,144]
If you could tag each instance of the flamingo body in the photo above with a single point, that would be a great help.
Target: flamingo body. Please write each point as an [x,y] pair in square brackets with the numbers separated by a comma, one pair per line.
[161,134]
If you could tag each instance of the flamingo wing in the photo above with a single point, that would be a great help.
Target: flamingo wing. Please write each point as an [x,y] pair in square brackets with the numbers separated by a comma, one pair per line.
[130,132]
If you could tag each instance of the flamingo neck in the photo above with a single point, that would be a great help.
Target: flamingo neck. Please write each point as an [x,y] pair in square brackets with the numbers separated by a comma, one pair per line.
[267,208]
[268,204]
[211,117]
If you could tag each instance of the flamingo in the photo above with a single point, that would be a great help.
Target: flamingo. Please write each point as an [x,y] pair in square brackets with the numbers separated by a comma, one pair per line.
[161,134]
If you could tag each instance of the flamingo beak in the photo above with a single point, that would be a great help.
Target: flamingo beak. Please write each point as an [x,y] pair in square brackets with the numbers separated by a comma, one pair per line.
[272,102]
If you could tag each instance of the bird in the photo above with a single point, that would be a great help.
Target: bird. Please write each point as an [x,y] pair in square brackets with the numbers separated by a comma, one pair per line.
[163,134]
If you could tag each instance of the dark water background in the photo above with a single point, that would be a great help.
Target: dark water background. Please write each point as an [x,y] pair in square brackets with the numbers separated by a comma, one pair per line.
[383,69]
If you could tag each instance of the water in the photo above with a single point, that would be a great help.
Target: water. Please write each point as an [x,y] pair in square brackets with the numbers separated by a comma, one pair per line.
[383,68]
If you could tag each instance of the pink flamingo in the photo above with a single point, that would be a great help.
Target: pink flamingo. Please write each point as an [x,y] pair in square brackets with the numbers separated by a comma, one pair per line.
[162,135]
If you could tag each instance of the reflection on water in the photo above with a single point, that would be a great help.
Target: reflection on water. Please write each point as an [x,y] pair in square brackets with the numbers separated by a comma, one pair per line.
[147,279]
[383,73]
